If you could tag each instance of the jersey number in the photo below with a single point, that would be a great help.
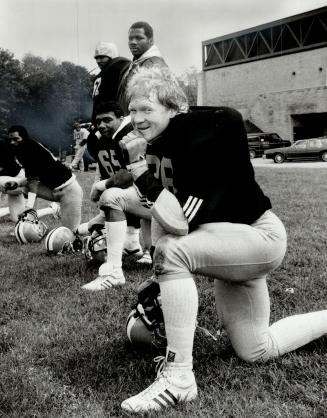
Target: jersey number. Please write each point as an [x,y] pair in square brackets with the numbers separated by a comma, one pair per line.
[162,170]
[109,162]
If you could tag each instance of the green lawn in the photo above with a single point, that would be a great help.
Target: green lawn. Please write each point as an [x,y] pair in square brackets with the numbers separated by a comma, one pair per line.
[64,352]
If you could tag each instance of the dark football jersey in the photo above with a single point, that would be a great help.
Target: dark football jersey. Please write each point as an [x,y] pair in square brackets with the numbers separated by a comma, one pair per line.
[39,162]
[107,152]
[203,158]
[8,164]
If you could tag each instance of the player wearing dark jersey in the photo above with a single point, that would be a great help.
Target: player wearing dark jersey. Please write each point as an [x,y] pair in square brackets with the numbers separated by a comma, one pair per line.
[11,175]
[185,147]
[209,217]
[47,177]
[10,171]
[106,150]
[112,66]
[8,164]
[115,193]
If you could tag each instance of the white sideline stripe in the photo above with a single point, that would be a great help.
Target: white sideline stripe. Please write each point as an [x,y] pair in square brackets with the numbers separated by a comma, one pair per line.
[189,218]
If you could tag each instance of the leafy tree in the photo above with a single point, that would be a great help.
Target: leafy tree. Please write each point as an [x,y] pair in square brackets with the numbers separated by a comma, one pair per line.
[13,90]
[188,80]
[57,95]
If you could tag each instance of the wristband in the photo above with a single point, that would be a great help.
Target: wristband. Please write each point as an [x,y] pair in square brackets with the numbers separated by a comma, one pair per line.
[30,199]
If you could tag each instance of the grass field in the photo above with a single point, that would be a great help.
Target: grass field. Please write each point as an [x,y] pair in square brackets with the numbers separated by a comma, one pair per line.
[64,352]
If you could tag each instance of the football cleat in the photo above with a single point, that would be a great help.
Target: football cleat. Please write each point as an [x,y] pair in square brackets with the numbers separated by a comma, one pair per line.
[108,278]
[95,246]
[145,326]
[175,383]
[27,231]
[145,259]
[133,248]
[60,240]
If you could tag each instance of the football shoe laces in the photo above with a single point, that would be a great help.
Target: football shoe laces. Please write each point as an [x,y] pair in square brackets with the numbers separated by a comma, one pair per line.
[108,278]
[175,383]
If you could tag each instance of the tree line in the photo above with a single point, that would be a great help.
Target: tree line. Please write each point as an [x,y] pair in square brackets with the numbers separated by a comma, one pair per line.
[47,97]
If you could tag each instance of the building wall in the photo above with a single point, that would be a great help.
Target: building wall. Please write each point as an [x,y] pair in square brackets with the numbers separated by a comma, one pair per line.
[269,91]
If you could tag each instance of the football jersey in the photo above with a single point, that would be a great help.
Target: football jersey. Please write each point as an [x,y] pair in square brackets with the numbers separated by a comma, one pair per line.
[107,152]
[202,157]
[80,135]
[8,164]
[39,162]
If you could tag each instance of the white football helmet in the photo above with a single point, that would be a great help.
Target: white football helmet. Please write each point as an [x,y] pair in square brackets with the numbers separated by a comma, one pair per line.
[145,324]
[60,240]
[29,229]
[95,246]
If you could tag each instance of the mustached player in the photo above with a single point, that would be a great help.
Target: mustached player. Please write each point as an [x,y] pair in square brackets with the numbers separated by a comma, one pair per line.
[116,196]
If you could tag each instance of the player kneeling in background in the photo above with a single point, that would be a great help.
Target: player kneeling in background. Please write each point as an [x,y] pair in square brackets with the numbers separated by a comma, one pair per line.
[115,193]
[11,175]
[46,177]
[209,217]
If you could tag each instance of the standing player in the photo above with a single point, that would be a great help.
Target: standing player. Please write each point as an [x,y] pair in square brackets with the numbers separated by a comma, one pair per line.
[209,217]
[47,177]
[145,54]
[80,138]
[112,68]
[115,193]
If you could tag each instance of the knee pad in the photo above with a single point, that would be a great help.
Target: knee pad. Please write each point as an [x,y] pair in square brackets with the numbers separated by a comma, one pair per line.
[112,198]
[169,257]
[259,353]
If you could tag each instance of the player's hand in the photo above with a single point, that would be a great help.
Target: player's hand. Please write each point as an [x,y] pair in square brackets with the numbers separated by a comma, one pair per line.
[8,183]
[122,179]
[95,193]
[133,146]
[167,211]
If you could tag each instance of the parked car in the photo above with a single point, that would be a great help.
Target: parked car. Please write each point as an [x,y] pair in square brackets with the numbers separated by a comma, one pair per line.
[262,141]
[305,149]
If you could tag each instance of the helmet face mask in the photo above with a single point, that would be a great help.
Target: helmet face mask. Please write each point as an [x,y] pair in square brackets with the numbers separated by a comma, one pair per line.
[145,324]
[29,229]
[95,246]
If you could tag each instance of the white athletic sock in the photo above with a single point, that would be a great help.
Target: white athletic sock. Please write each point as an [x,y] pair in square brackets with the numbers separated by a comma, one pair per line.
[180,306]
[132,236]
[4,212]
[45,211]
[116,232]
[295,331]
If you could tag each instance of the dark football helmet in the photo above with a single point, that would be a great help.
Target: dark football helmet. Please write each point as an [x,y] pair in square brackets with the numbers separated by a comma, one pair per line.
[95,245]
[145,324]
